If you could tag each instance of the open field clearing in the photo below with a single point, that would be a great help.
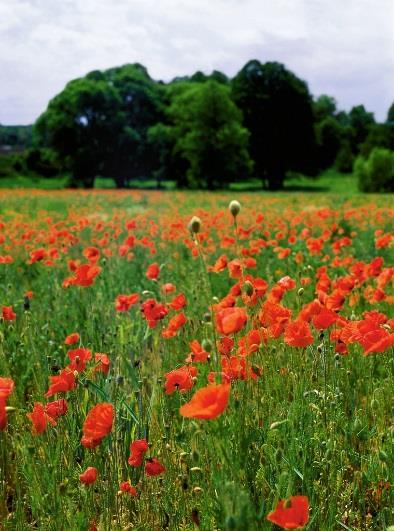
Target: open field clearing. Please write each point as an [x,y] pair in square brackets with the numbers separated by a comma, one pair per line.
[231,372]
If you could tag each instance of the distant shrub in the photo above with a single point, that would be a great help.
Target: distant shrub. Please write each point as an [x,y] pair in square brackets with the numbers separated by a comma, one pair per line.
[376,173]
[42,162]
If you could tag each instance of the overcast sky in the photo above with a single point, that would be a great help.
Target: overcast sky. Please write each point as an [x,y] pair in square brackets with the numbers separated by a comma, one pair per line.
[344,48]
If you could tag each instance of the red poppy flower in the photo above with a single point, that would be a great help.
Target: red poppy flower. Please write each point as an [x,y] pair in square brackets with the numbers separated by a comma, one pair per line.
[125,486]
[72,338]
[79,357]
[207,403]
[62,383]
[39,419]
[198,354]
[57,408]
[294,516]
[6,388]
[37,255]
[298,334]
[137,450]
[153,271]
[103,363]
[180,379]
[231,320]
[176,322]
[89,476]
[97,425]
[178,302]
[235,268]
[123,303]
[84,276]
[153,312]
[8,313]
[220,264]
[92,254]
[168,288]
[153,467]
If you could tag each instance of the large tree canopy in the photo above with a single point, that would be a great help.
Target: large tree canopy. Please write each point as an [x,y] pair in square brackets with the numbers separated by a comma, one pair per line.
[205,136]
[277,109]
[98,124]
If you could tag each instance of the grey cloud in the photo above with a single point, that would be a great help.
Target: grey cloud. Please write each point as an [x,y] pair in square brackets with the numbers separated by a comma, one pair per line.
[343,48]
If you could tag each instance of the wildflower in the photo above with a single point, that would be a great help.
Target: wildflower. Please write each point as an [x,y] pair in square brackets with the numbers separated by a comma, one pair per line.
[178,302]
[125,486]
[137,450]
[207,403]
[72,338]
[62,383]
[103,363]
[6,388]
[8,313]
[79,357]
[174,325]
[294,516]
[39,419]
[97,425]
[231,320]
[57,408]
[123,303]
[298,334]
[89,476]
[180,379]
[153,467]
[153,271]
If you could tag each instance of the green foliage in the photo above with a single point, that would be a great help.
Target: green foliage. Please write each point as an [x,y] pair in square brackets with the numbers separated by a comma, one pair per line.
[278,113]
[98,124]
[16,135]
[376,173]
[209,141]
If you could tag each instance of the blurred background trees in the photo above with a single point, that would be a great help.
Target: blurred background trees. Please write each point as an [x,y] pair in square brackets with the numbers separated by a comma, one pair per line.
[201,131]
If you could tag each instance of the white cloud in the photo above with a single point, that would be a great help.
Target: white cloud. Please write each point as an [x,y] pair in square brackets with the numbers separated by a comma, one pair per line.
[343,48]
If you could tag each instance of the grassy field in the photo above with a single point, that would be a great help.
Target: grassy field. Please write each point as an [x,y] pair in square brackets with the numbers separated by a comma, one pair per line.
[329,181]
[211,374]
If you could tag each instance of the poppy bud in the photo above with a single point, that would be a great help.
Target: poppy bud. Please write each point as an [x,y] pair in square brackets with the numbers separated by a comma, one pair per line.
[234,207]
[247,288]
[374,404]
[206,345]
[383,456]
[194,225]
[300,292]
[207,317]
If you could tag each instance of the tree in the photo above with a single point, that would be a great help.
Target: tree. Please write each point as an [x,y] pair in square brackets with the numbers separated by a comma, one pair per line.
[329,134]
[360,121]
[98,124]
[207,137]
[277,109]
[376,173]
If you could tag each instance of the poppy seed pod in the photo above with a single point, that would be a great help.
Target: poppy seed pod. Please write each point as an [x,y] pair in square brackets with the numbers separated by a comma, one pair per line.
[234,207]
[194,225]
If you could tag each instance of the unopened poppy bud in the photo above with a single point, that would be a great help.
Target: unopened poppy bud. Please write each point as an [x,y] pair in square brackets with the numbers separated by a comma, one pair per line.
[194,225]
[247,288]
[207,317]
[300,292]
[234,207]
[206,345]
[374,404]
[383,456]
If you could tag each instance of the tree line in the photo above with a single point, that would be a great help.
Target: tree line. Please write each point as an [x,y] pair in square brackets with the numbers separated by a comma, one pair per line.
[202,131]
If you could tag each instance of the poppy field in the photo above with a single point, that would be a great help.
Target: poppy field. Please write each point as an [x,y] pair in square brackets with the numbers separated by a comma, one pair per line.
[196,361]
